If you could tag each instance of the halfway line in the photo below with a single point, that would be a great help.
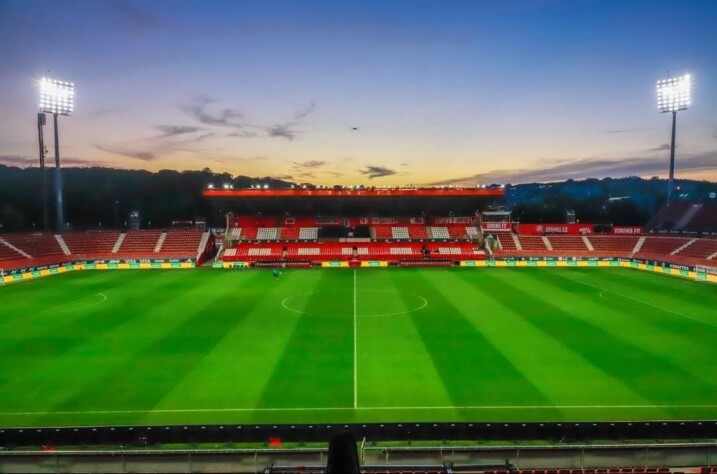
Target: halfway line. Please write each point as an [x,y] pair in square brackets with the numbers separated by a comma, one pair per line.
[355,348]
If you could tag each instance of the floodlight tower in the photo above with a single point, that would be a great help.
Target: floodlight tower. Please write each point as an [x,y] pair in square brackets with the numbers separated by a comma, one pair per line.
[57,98]
[41,141]
[673,95]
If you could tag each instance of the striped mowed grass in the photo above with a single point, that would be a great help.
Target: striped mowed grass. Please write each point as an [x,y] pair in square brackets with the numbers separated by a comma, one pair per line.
[340,345]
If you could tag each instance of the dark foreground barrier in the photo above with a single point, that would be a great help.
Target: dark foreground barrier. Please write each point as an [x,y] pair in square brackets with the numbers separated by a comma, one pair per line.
[151,435]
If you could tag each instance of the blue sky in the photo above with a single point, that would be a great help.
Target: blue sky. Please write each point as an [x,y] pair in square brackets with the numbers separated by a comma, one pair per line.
[463,92]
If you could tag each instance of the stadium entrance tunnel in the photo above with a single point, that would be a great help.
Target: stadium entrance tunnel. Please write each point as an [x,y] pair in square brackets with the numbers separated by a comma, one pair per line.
[361,303]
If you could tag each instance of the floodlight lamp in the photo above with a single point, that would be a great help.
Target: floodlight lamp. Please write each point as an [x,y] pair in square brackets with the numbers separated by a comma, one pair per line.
[210,186]
[57,97]
[266,186]
[673,94]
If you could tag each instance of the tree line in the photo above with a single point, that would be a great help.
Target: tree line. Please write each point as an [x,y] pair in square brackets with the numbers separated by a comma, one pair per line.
[98,198]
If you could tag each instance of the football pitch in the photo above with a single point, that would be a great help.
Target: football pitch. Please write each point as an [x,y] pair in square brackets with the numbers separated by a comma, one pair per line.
[339,345]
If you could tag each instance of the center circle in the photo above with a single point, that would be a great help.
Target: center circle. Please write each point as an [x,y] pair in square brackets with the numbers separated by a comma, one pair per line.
[370,303]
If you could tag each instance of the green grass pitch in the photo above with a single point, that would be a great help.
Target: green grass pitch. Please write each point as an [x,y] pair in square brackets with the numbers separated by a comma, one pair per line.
[328,346]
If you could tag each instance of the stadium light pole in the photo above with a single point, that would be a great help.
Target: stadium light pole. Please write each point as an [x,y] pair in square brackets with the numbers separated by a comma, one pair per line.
[41,120]
[57,98]
[673,95]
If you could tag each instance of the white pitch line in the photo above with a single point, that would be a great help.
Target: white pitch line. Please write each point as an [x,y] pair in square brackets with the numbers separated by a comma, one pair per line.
[642,302]
[355,347]
[398,408]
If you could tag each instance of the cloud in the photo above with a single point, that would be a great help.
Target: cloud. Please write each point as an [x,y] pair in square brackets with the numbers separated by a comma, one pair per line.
[287,129]
[225,118]
[26,161]
[228,117]
[714,135]
[377,172]
[284,177]
[303,113]
[588,168]
[663,147]
[18,160]
[282,131]
[627,130]
[135,154]
[200,138]
[335,174]
[312,164]
[242,134]
[174,130]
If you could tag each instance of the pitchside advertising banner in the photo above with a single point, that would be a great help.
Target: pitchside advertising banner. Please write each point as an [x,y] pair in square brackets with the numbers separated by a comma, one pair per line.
[45,270]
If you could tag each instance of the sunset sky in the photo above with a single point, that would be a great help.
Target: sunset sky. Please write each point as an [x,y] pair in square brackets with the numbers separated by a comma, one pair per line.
[440,92]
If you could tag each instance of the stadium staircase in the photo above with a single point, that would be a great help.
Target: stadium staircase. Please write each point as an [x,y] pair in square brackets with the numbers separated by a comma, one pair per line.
[118,243]
[62,244]
[683,246]
[158,246]
[588,244]
[547,243]
[203,242]
[638,245]
[15,251]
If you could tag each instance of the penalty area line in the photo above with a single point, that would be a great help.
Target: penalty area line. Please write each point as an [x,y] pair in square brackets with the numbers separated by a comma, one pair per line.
[308,409]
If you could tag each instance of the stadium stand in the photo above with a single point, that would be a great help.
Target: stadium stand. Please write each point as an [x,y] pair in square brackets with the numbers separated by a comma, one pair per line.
[178,243]
[418,232]
[267,233]
[139,243]
[457,232]
[472,232]
[532,243]
[308,233]
[9,253]
[94,244]
[382,232]
[667,217]
[288,233]
[609,245]
[705,219]
[439,232]
[249,233]
[37,245]
[347,251]
[655,247]
[507,242]
[700,249]
[573,244]
[399,233]
[234,233]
